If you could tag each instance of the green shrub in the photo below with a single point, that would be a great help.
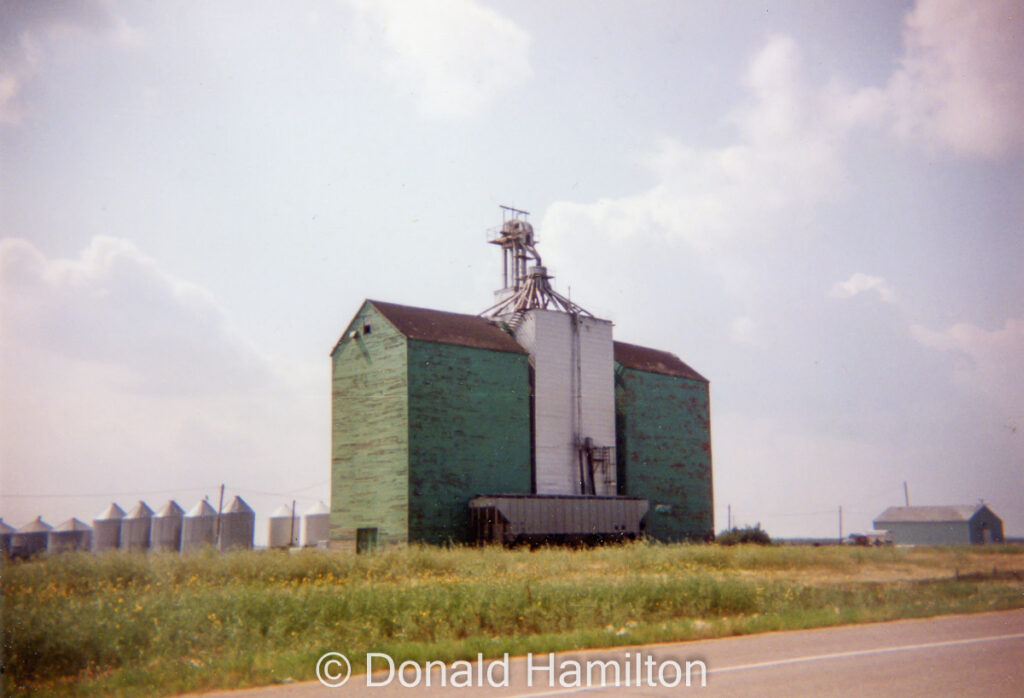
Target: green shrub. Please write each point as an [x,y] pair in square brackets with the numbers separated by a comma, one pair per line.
[749,534]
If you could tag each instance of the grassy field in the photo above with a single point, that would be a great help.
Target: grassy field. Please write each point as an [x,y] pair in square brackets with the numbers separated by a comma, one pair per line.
[161,624]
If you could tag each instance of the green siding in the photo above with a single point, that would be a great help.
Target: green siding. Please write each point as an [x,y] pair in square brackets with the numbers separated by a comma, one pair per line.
[664,451]
[369,432]
[469,434]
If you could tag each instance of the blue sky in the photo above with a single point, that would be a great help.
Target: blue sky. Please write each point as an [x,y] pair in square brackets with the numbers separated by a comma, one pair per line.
[817,205]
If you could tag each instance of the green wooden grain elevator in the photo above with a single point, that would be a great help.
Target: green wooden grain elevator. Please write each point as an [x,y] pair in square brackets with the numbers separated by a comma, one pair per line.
[663,441]
[524,422]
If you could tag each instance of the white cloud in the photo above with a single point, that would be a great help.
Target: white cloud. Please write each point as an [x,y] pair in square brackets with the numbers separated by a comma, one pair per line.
[861,283]
[961,79]
[785,160]
[989,361]
[114,306]
[959,86]
[454,58]
[30,30]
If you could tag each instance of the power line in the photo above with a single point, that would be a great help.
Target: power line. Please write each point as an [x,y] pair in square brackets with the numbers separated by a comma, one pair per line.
[137,493]
[52,495]
[274,494]
[309,487]
[800,513]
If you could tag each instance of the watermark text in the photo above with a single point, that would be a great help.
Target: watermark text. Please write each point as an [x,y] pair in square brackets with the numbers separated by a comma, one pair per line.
[632,669]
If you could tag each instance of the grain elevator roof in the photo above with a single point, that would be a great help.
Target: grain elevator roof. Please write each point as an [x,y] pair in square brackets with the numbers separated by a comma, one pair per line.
[447,328]
[654,361]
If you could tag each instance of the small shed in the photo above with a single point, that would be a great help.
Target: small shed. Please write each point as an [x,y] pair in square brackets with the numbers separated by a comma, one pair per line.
[135,527]
[165,531]
[30,538]
[70,535]
[5,538]
[316,525]
[237,526]
[941,525]
[199,527]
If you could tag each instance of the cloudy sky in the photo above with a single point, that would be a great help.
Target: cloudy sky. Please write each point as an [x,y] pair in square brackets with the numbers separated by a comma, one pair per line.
[818,205]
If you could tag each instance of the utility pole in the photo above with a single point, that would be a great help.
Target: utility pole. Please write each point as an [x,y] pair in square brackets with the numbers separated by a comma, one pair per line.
[220,508]
[840,524]
[291,536]
[730,518]
[906,493]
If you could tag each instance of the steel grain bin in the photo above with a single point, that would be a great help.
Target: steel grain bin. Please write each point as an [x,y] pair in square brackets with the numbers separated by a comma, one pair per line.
[135,527]
[30,538]
[106,528]
[284,528]
[70,535]
[199,527]
[237,526]
[165,532]
[316,525]
[5,538]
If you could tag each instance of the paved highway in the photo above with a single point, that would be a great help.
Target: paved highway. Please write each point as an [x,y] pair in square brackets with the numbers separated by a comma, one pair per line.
[972,655]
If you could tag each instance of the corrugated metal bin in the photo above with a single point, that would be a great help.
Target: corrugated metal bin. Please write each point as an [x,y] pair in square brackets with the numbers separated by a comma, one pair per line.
[5,538]
[199,527]
[135,527]
[284,528]
[106,528]
[30,538]
[70,535]
[165,532]
[237,526]
[316,525]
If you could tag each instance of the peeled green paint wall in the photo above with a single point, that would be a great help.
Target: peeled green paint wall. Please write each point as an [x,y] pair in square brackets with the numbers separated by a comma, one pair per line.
[469,434]
[663,442]
[369,433]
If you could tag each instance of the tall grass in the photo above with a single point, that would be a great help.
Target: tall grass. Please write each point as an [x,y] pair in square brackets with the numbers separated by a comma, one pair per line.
[136,624]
